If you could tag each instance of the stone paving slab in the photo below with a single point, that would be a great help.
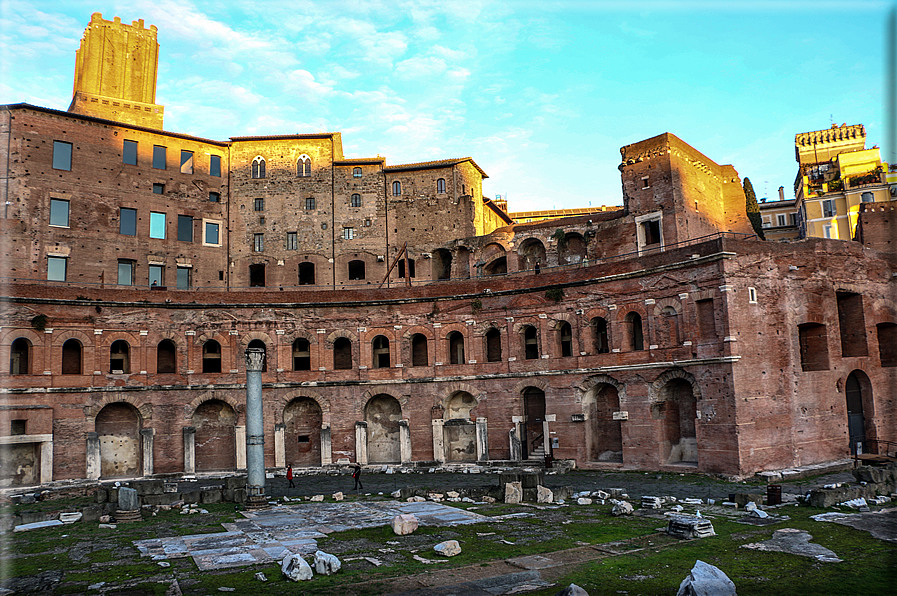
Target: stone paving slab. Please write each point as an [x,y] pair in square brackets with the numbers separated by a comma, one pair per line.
[270,534]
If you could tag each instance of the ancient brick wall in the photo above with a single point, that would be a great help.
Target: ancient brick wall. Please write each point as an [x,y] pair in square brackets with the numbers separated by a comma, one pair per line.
[877,226]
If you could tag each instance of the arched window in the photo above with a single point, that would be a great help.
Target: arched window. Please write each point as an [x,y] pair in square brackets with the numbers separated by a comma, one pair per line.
[19,353]
[258,167]
[636,338]
[530,343]
[565,338]
[71,357]
[396,188]
[356,270]
[120,357]
[493,345]
[600,340]
[211,357]
[260,345]
[166,357]
[356,172]
[342,354]
[303,166]
[419,350]
[456,347]
[380,347]
[440,186]
[356,200]
[306,274]
[301,354]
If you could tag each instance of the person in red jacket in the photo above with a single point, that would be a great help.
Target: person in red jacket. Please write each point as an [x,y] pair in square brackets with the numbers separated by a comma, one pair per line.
[290,475]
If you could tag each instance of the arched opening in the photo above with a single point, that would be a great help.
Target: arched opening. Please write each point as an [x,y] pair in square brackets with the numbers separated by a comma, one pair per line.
[211,357]
[71,357]
[531,251]
[303,166]
[306,274]
[441,264]
[604,434]
[463,262]
[19,357]
[600,336]
[258,344]
[497,266]
[215,441]
[356,270]
[301,354]
[419,356]
[118,430]
[459,428]
[634,333]
[302,420]
[258,167]
[380,348]
[565,339]
[534,414]
[668,333]
[677,411]
[166,357]
[257,275]
[493,345]
[383,414]
[456,347]
[573,250]
[860,413]
[342,354]
[530,343]
[120,357]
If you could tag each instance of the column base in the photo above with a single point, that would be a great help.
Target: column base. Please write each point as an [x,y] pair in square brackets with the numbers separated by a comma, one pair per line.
[256,502]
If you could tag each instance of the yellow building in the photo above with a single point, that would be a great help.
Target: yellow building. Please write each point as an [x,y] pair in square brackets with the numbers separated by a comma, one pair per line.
[836,173]
[546,214]
[779,218]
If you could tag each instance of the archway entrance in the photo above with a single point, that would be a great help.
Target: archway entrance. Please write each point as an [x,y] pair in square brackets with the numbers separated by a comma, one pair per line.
[459,431]
[118,430]
[215,443]
[302,420]
[677,411]
[858,390]
[604,434]
[534,414]
[383,414]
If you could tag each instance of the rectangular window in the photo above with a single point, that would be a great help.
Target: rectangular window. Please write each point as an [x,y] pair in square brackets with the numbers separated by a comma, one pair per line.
[813,343]
[56,268]
[258,242]
[158,189]
[210,234]
[156,273]
[186,162]
[159,157]
[292,240]
[828,231]
[781,219]
[348,233]
[17,427]
[157,225]
[852,322]
[259,204]
[214,197]
[183,278]
[59,213]
[309,203]
[127,222]
[62,156]
[752,295]
[129,153]
[792,219]
[828,208]
[185,228]
[126,273]
[215,166]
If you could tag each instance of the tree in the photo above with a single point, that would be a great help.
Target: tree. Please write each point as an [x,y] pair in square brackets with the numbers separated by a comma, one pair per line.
[752,208]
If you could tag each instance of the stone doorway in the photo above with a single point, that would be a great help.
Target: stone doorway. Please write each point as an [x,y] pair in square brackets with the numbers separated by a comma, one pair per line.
[604,435]
[677,411]
[118,431]
[534,416]
[215,443]
[382,415]
[459,431]
[858,392]
[302,420]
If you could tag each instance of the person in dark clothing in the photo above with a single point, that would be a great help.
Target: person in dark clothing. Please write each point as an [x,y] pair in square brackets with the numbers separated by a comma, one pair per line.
[356,475]
[290,475]
[538,268]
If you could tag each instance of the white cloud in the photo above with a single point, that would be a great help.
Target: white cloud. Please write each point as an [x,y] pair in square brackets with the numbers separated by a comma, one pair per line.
[420,67]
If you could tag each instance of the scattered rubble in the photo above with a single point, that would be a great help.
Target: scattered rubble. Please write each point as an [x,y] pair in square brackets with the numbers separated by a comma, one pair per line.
[449,548]
[705,579]
[296,568]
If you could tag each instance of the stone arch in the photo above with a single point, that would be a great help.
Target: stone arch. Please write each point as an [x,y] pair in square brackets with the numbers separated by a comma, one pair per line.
[884,310]
[335,335]
[574,250]
[144,409]
[860,409]
[200,339]
[254,335]
[559,317]
[10,336]
[214,422]
[383,414]
[595,380]
[111,338]
[529,252]
[385,390]
[282,401]
[519,324]
[537,383]
[303,422]
[665,377]
[664,302]
[118,425]
[289,338]
[190,408]
[604,436]
[674,404]
[459,386]
[61,338]
[372,332]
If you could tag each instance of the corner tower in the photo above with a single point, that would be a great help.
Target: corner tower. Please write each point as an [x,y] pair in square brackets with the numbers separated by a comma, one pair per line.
[115,73]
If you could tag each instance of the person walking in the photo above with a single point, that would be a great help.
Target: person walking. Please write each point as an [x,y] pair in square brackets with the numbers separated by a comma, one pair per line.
[290,475]
[356,475]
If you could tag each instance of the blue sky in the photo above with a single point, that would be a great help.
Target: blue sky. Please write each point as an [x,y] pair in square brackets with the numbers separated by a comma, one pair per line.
[541,94]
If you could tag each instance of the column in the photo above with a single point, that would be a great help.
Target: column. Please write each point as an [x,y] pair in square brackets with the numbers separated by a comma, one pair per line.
[46,462]
[326,446]
[404,441]
[361,443]
[93,456]
[546,437]
[516,439]
[482,440]
[255,429]
[438,440]
[146,439]
[189,450]
[280,458]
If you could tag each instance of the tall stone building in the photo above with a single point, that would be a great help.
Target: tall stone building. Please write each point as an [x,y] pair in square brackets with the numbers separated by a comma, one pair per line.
[404,317]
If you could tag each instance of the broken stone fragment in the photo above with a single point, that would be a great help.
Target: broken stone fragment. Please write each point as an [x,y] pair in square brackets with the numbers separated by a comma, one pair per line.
[404,524]
[317,498]
[622,508]
[326,564]
[706,579]
[513,492]
[572,590]
[338,496]
[70,517]
[261,577]
[295,568]
[583,501]
[544,494]
[396,494]
[449,548]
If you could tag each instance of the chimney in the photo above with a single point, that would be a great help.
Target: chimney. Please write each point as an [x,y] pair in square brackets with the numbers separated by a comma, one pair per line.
[781,193]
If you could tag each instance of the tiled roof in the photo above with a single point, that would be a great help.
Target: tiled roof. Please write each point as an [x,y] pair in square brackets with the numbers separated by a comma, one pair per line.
[442,163]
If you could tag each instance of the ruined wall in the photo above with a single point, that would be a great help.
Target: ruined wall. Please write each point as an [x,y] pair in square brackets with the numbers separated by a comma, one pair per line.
[877,226]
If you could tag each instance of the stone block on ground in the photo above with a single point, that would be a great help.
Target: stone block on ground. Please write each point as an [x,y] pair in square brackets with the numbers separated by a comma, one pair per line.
[513,492]
[572,590]
[70,517]
[211,496]
[689,526]
[37,525]
[583,501]
[622,508]
[127,499]
[544,494]
[296,568]
[317,498]
[404,524]
[325,563]
[449,548]
[339,496]
[706,580]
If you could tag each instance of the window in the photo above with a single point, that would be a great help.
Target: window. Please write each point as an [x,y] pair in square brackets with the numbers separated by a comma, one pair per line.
[258,167]
[780,219]
[18,427]
[530,343]
[19,353]
[157,225]
[258,242]
[348,233]
[129,153]
[636,338]
[356,270]
[828,208]
[419,355]
[342,354]
[259,204]
[125,273]
[380,347]
[310,205]
[214,197]
[210,234]
[186,162]
[159,157]
[303,166]
[306,274]
[440,186]
[813,341]
[166,357]
[356,200]
[127,221]
[887,343]
[183,281]
[59,213]
[600,340]
[71,357]
[752,295]
[158,189]
[215,166]
[56,267]
[257,275]
[301,354]
[493,345]
[456,347]
[829,231]
[792,219]
[185,228]
[396,188]
[120,358]
[211,357]
[565,337]
[852,323]
[867,197]
[652,232]
[645,182]
[356,172]
[62,156]
[410,267]
[156,276]
[292,240]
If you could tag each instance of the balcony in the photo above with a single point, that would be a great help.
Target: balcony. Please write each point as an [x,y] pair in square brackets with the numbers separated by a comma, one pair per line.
[873,177]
